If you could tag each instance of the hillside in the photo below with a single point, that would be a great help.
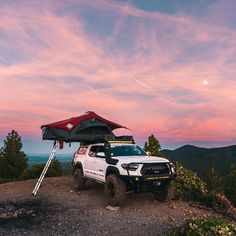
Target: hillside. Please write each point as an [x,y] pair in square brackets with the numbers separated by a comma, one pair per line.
[200,159]
[59,210]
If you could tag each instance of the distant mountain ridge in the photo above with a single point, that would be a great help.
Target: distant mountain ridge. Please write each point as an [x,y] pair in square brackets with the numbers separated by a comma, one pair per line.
[196,158]
[42,158]
[200,159]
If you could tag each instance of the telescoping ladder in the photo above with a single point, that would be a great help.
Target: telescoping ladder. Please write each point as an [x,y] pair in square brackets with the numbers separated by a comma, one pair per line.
[40,180]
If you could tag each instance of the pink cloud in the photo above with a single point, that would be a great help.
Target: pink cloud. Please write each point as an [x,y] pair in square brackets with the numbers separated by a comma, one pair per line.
[64,71]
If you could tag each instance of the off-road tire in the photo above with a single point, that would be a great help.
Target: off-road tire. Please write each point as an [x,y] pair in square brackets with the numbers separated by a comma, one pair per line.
[79,181]
[115,190]
[164,194]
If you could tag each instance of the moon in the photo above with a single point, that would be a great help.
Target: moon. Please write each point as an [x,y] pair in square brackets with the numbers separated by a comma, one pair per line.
[205,82]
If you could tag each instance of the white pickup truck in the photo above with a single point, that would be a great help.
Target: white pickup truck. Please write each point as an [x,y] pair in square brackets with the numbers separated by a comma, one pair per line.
[123,167]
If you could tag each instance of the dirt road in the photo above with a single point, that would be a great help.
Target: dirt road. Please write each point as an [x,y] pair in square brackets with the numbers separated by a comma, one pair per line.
[59,210]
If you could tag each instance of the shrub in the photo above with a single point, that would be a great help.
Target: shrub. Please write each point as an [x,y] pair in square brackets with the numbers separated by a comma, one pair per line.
[211,226]
[66,169]
[34,171]
[188,186]
[3,180]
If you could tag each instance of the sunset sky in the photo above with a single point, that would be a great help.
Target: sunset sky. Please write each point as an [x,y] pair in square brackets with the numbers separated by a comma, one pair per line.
[156,66]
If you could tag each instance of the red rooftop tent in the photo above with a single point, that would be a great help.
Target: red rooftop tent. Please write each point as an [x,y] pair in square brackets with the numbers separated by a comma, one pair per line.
[88,127]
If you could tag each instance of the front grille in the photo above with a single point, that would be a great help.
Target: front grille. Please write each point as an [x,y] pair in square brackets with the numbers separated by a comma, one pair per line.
[155,169]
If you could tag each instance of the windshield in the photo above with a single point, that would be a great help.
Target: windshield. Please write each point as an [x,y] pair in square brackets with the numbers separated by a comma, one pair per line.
[127,150]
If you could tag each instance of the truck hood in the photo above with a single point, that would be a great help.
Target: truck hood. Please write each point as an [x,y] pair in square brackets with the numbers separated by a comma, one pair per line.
[142,159]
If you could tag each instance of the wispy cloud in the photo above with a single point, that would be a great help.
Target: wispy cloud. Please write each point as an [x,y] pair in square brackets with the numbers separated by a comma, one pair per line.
[147,73]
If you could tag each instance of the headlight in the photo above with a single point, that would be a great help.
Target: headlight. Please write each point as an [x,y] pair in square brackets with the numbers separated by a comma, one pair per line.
[131,167]
[172,165]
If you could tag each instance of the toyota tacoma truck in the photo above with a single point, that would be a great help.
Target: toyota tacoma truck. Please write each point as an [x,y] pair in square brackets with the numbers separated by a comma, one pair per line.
[122,166]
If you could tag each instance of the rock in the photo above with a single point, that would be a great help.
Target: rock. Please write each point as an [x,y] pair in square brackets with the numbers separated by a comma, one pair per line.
[172,206]
[111,208]
[15,215]
[4,216]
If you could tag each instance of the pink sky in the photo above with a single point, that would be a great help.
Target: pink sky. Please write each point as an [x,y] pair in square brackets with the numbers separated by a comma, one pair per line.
[142,68]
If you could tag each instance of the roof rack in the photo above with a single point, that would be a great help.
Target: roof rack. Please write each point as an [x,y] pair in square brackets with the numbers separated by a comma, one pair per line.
[117,139]
[122,139]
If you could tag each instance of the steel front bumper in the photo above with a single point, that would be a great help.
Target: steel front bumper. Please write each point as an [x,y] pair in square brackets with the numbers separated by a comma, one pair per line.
[146,183]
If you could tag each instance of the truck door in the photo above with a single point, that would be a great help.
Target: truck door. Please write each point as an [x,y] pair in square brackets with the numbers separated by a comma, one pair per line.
[95,163]
[100,163]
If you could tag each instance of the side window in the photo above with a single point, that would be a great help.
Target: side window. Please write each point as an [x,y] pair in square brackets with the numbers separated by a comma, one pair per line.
[82,150]
[97,151]
[93,151]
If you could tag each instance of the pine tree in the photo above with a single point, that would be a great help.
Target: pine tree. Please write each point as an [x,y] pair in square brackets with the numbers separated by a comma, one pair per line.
[13,160]
[153,146]
[213,180]
[230,184]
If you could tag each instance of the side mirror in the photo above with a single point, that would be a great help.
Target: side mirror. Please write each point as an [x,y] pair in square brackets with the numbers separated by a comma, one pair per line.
[148,153]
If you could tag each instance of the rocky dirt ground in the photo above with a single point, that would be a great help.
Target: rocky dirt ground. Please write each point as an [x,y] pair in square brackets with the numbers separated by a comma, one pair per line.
[59,210]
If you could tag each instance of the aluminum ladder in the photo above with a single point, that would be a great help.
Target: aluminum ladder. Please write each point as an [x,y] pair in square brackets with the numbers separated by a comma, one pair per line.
[40,180]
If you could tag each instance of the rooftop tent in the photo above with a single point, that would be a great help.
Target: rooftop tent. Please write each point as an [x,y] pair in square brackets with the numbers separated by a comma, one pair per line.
[84,128]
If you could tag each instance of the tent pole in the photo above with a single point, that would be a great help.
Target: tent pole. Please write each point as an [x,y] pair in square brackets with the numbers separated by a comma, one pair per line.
[40,180]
